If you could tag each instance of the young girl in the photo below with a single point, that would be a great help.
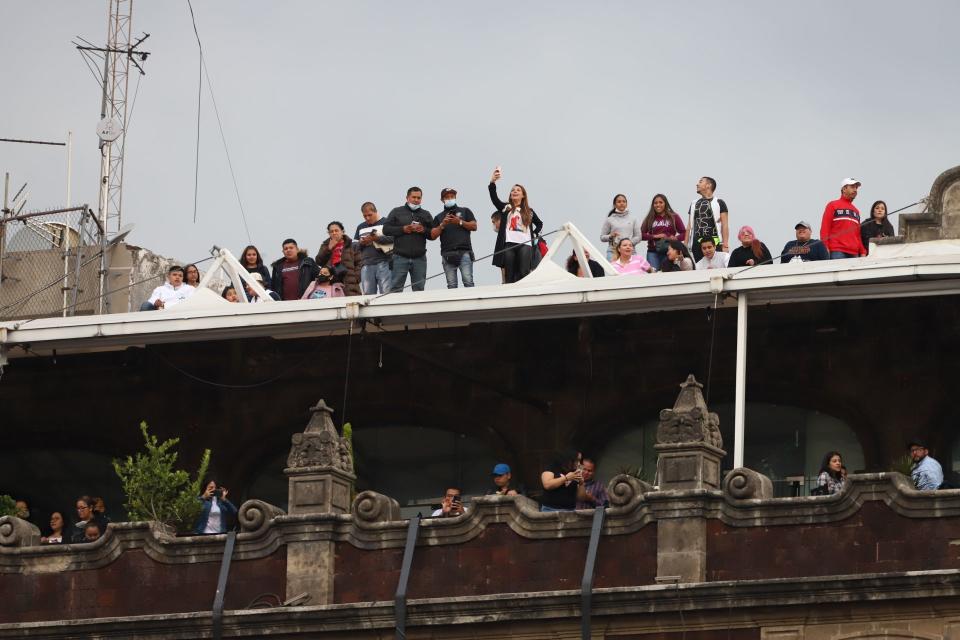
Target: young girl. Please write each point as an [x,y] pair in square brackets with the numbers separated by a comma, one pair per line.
[678,257]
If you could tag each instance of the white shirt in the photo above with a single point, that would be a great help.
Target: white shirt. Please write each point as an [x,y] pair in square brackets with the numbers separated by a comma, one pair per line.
[718,261]
[213,519]
[169,295]
[517,232]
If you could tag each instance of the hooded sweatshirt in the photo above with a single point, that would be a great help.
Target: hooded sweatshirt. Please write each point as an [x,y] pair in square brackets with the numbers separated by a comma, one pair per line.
[623,224]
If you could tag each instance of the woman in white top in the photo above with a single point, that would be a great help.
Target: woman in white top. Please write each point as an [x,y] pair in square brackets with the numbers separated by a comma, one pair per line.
[217,513]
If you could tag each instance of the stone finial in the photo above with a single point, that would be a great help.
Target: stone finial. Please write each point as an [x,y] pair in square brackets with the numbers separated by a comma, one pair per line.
[320,445]
[689,420]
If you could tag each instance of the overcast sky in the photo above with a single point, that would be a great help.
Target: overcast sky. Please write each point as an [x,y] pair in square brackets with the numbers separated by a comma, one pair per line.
[326,105]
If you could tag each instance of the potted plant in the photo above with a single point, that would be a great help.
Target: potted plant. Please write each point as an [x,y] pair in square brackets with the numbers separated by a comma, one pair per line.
[156,491]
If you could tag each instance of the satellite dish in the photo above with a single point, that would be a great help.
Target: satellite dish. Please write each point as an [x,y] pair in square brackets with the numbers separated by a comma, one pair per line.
[108,130]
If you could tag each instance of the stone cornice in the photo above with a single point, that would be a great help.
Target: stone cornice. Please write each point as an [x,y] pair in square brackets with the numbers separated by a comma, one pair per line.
[936,589]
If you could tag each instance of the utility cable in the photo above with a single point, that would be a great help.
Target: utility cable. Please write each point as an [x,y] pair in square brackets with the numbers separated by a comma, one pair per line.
[223,137]
[820,240]
[221,385]
[481,259]
[196,170]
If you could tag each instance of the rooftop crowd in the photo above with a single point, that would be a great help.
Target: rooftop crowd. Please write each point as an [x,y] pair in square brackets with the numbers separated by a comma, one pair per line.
[383,253]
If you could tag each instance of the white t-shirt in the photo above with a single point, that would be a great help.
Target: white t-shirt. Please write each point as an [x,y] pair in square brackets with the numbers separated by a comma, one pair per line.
[718,261]
[517,232]
[214,519]
[169,295]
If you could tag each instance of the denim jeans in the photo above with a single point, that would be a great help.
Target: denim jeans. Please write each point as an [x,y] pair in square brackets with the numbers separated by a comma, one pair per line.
[416,267]
[840,255]
[146,306]
[375,278]
[466,271]
[655,259]
[545,509]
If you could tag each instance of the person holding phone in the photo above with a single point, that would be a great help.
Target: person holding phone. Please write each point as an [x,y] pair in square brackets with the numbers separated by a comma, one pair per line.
[453,226]
[452,504]
[216,511]
[563,482]
[516,250]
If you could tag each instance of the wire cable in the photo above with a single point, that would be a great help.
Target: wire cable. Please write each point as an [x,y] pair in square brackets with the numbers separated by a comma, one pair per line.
[223,137]
[196,170]
[820,240]
[480,259]
[253,385]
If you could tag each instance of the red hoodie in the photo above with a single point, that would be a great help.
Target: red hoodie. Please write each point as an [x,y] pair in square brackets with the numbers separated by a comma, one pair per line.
[840,229]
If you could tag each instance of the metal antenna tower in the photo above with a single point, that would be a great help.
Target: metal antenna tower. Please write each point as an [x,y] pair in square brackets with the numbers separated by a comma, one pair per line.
[117,56]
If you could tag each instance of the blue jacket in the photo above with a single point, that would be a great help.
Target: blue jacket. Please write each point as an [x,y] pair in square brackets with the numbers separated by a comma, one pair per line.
[227,511]
[927,474]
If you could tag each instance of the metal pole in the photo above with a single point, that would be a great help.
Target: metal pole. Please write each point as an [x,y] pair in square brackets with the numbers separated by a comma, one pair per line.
[3,224]
[586,584]
[67,229]
[740,403]
[400,598]
[217,613]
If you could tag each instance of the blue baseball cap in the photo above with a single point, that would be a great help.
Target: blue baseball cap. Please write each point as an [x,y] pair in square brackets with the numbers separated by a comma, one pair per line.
[501,469]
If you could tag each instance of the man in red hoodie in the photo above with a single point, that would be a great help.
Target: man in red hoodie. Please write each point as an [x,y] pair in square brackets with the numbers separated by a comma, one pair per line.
[840,228]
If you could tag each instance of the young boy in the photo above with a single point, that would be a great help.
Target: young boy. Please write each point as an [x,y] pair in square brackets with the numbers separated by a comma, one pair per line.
[712,259]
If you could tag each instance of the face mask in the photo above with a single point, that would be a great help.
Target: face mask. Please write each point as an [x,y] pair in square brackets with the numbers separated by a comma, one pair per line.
[450,203]
[413,206]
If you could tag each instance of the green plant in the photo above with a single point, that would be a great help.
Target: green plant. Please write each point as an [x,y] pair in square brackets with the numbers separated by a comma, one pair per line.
[903,464]
[348,436]
[157,491]
[8,506]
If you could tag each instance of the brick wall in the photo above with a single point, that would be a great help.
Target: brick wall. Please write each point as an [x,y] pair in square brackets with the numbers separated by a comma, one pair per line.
[136,585]
[873,540]
[496,561]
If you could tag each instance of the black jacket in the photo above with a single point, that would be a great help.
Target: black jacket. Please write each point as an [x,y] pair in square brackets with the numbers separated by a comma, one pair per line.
[535,227]
[408,245]
[740,255]
[308,273]
[870,229]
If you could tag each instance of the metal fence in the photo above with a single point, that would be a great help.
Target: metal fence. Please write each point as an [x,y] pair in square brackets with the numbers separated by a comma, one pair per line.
[50,264]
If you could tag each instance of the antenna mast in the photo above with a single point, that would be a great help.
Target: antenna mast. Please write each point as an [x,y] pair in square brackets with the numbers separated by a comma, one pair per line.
[118,54]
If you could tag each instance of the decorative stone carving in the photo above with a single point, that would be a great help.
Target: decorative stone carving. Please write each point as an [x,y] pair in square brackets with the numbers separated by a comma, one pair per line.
[940,219]
[689,420]
[15,532]
[747,484]
[689,442]
[320,445]
[369,507]
[255,515]
[624,489]
[320,469]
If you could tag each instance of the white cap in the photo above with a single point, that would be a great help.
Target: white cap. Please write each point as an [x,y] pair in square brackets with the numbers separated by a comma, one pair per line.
[849,181]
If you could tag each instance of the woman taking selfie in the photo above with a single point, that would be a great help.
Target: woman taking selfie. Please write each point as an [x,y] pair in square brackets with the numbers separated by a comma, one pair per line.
[519,225]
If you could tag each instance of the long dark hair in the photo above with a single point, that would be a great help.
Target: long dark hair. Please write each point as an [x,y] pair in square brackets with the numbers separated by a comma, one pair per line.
[668,212]
[526,213]
[886,224]
[187,268]
[668,265]
[825,465]
[613,209]
[243,256]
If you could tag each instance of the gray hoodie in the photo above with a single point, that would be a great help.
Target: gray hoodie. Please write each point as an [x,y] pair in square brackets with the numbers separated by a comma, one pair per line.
[623,224]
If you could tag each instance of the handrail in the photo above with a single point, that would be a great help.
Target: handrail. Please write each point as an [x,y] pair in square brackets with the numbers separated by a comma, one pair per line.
[586,585]
[400,598]
[222,585]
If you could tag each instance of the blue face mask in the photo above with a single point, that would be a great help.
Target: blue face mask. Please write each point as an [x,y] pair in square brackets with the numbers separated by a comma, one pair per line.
[450,203]
[413,206]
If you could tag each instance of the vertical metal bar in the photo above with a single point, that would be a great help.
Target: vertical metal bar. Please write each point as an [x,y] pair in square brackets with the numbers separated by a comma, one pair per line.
[222,585]
[586,585]
[3,225]
[400,598]
[740,402]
